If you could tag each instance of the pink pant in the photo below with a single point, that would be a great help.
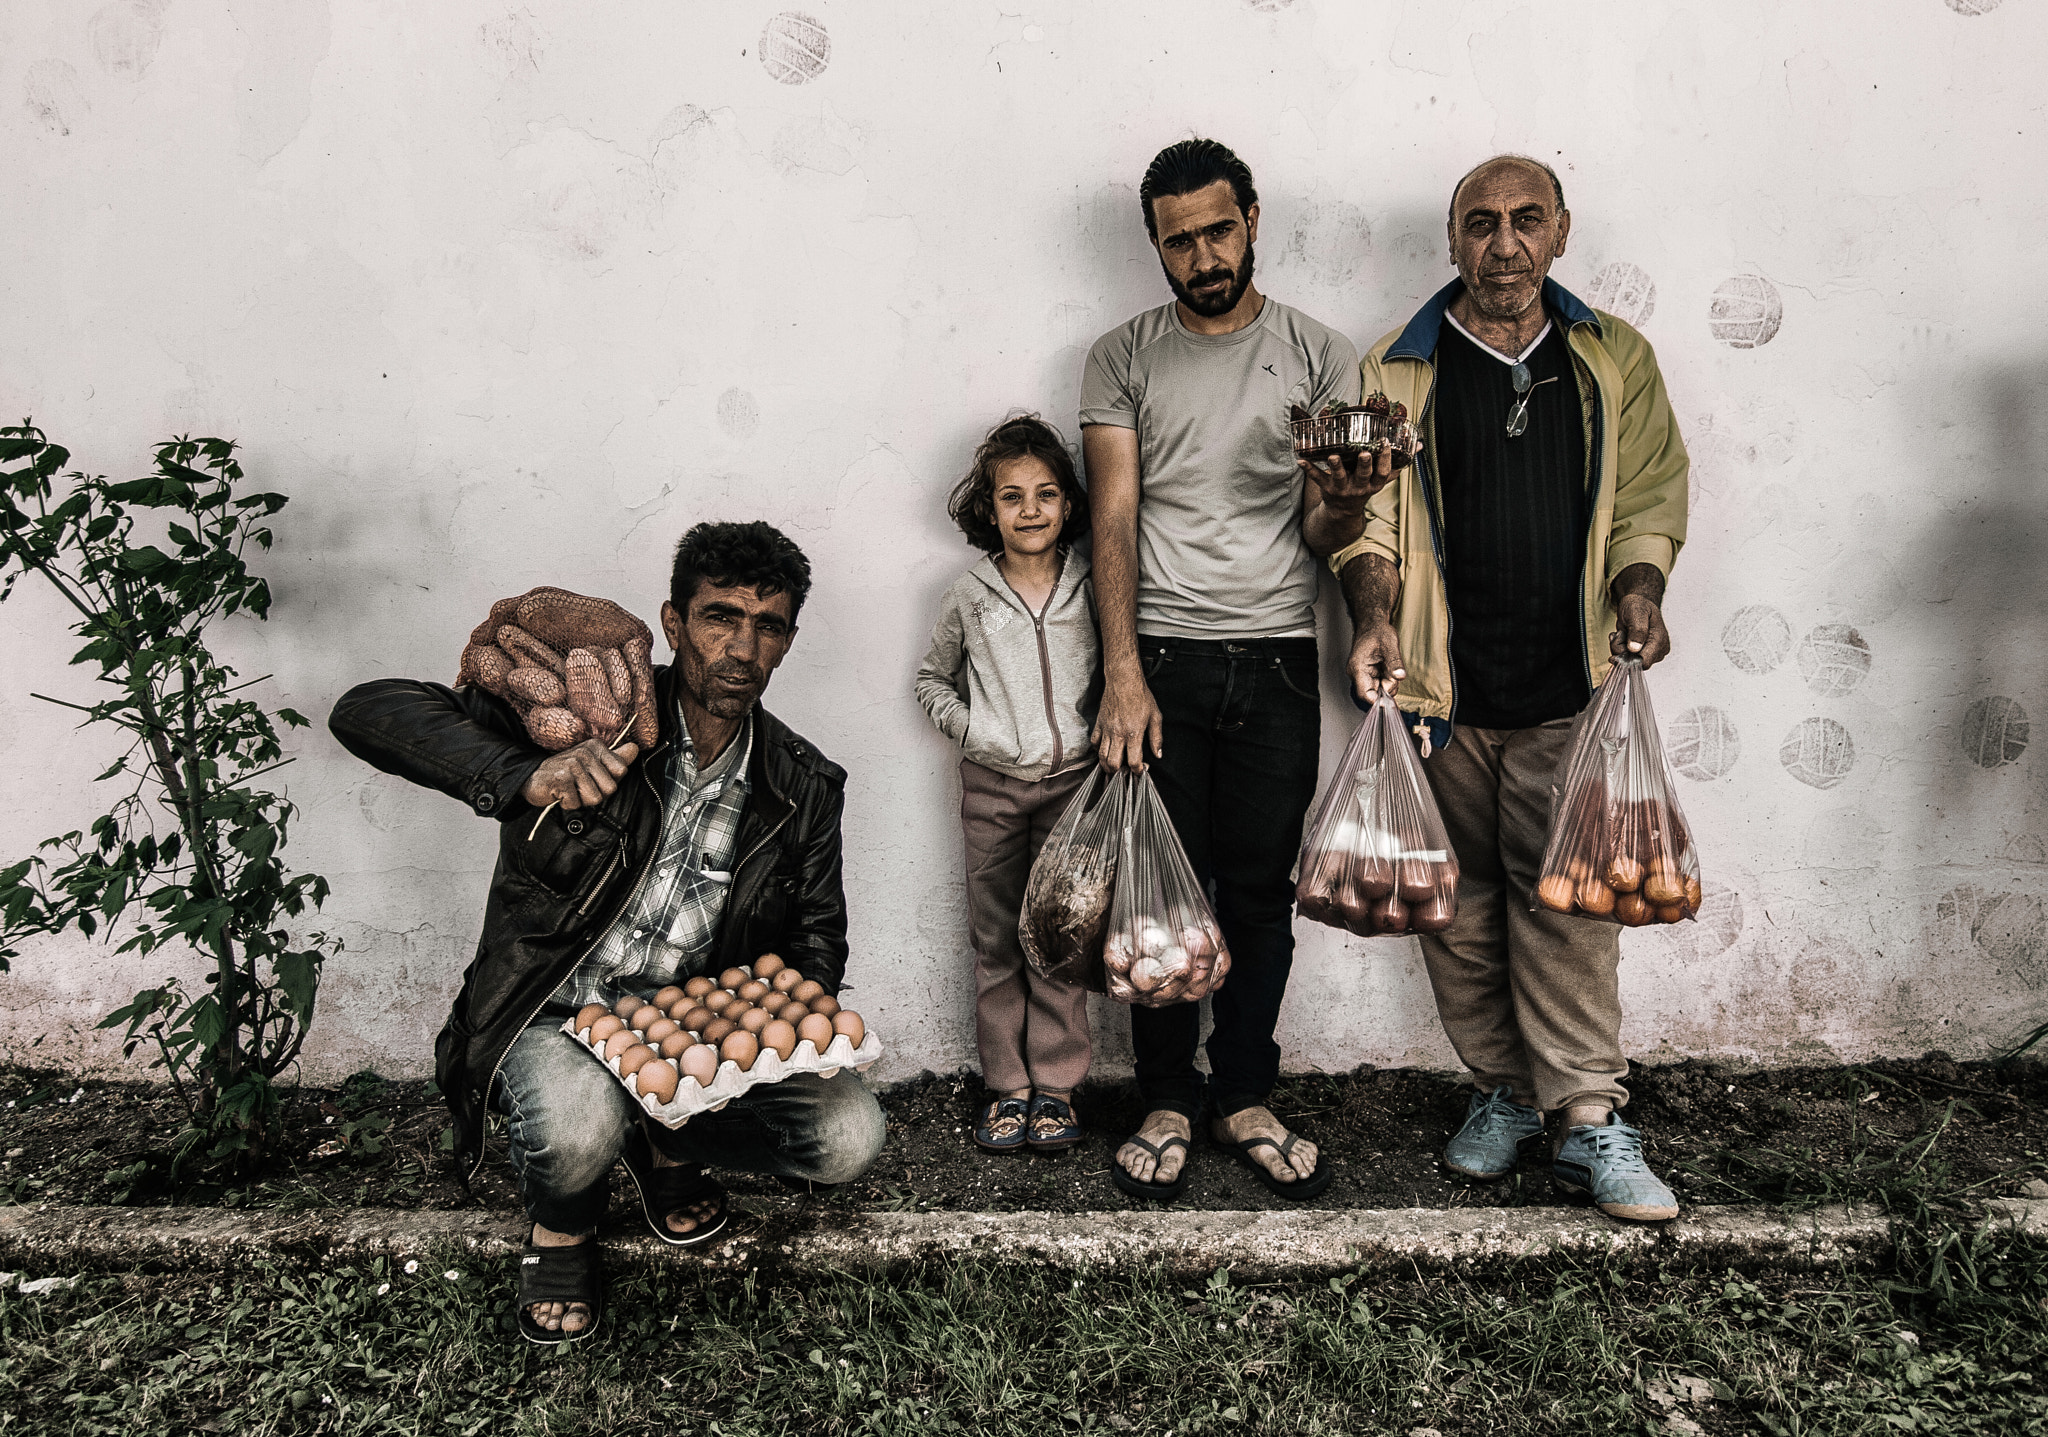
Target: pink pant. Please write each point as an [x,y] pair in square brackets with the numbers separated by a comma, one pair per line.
[1032,1033]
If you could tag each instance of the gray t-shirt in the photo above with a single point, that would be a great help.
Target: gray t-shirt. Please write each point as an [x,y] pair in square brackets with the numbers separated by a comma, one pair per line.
[1220,554]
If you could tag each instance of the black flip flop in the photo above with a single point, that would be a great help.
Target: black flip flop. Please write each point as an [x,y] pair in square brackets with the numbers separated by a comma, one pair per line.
[560,1274]
[664,1190]
[1301,1189]
[1157,1192]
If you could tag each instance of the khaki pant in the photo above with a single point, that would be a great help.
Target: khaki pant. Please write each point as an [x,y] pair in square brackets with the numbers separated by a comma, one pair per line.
[1032,1033]
[1530,1000]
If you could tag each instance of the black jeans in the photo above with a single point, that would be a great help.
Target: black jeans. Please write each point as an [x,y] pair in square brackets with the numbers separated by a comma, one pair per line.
[1243,721]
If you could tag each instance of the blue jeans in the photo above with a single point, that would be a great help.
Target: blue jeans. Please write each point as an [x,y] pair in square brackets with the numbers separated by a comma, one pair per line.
[568,1118]
[1243,720]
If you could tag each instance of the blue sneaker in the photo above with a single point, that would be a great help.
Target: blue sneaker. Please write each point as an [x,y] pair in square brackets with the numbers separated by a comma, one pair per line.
[1608,1163]
[1496,1126]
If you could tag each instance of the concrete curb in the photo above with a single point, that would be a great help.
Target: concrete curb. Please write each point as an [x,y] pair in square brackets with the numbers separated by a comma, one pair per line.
[1255,1246]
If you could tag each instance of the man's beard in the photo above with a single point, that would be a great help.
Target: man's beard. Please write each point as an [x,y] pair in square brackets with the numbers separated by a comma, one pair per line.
[719,702]
[1222,303]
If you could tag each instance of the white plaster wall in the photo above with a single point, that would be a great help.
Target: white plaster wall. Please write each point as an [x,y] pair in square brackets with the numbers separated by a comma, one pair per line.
[505,294]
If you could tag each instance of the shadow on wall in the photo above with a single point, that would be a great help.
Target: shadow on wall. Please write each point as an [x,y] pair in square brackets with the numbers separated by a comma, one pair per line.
[1983,580]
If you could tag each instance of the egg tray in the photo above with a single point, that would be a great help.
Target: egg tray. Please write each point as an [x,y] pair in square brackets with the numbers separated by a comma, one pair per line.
[729,1081]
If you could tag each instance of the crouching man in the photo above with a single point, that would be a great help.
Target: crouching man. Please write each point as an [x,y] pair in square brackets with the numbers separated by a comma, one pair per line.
[719,844]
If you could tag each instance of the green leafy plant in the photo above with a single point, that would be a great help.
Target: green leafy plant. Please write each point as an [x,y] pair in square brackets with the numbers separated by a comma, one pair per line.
[189,853]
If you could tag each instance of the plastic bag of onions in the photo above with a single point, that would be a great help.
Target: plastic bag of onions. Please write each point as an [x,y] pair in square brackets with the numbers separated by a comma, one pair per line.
[1619,849]
[1376,860]
[1163,944]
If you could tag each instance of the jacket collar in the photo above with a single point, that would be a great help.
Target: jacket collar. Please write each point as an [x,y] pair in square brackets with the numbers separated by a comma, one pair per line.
[1418,340]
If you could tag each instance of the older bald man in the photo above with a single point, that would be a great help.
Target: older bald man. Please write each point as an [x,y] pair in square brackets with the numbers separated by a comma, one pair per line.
[1527,548]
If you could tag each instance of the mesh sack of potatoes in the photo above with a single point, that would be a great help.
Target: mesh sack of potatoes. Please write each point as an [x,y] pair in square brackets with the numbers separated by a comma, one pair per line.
[574,667]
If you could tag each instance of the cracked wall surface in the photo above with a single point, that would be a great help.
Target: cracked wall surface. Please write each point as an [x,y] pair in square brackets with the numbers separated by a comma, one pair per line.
[511,293]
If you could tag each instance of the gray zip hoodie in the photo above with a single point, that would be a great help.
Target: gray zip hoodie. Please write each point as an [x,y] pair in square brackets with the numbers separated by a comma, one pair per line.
[1016,692]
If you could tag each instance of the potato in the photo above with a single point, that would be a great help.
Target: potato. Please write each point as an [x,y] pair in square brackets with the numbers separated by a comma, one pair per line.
[1556,892]
[589,699]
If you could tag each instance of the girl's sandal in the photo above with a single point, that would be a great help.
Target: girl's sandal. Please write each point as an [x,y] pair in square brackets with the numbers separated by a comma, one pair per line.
[560,1274]
[665,1190]
[1052,1124]
[1003,1126]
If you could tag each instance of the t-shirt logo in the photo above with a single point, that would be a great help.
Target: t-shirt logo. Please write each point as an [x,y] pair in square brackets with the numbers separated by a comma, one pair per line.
[995,617]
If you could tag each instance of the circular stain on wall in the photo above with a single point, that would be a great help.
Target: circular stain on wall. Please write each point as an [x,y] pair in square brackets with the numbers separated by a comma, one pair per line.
[1833,659]
[1757,639]
[795,48]
[1818,752]
[1746,312]
[1703,743]
[1974,7]
[1269,6]
[1720,917]
[1994,731]
[738,414]
[1623,289]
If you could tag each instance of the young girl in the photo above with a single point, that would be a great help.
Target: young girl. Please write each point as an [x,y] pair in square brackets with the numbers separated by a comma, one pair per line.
[1013,678]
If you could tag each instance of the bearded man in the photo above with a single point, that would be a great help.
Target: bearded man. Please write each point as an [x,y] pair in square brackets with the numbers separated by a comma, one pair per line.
[1522,554]
[1207,531]
[723,846]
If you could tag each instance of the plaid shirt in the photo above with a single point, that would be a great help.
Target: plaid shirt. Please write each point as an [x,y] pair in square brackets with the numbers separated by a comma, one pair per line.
[671,921]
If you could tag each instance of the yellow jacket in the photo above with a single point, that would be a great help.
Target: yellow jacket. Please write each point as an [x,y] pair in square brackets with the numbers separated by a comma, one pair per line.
[1638,473]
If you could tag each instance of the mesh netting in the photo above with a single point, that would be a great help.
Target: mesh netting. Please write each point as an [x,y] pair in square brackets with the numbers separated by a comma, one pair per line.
[1376,860]
[1619,849]
[574,667]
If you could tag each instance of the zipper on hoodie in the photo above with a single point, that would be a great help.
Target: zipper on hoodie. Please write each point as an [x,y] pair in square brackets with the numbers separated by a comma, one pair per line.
[1045,682]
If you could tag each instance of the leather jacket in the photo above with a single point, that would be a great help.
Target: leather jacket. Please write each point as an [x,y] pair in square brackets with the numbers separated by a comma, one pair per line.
[555,893]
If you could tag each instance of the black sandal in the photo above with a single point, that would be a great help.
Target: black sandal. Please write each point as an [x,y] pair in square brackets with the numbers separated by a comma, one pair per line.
[560,1274]
[1157,1192]
[1302,1188]
[664,1190]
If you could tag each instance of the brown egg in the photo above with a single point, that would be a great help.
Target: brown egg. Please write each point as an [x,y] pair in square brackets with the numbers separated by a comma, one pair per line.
[768,965]
[781,1037]
[849,1026]
[644,1015]
[715,1031]
[740,1049]
[667,996]
[619,1042]
[682,1007]
[1596,898]
[1555,892]
[1664,888]
[635,1058]
[696,1019]
[792,1011]
[1633,910]
[717,999]
[677,1043]
[1389,915]
[657,1081]
[816,1030]
[808,989]
[1434,916]
[604,1027]
[1624,874]
[754,1020]
[589,1013]
[627,1006]
[700,1063]
[753,990]
[733,977]
[737,1009]
[785,979]
[1671,913]
[697,987]
[660,1028]
[824,1003]
[776,1002]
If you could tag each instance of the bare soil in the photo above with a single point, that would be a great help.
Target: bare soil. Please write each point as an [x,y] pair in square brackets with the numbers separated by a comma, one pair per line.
[1931,1128]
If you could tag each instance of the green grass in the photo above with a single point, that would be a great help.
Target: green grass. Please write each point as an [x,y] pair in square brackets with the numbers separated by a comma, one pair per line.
[1954,1340]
